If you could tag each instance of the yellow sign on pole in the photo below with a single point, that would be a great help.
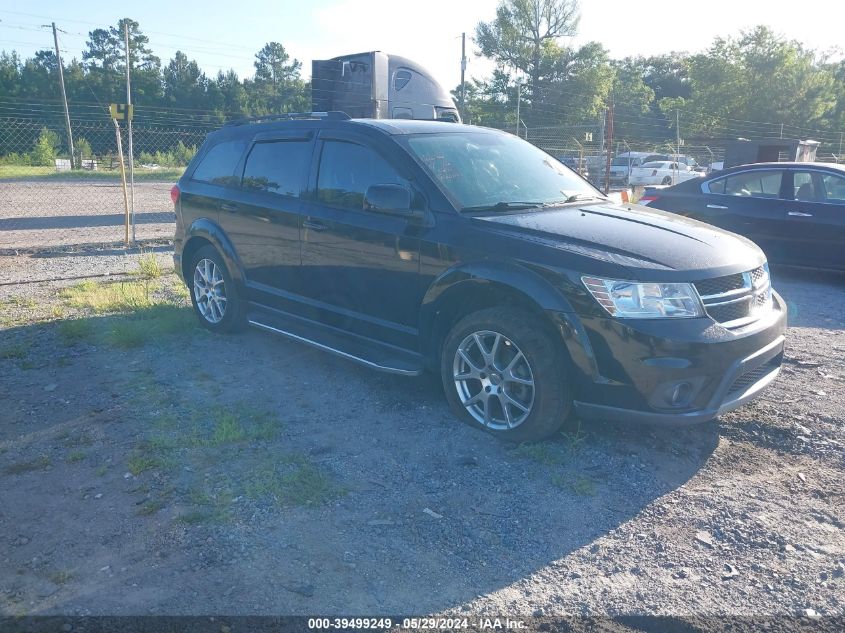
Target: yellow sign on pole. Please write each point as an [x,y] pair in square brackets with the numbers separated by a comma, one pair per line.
[121,111]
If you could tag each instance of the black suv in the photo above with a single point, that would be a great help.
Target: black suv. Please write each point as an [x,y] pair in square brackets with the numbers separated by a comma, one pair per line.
[417,245]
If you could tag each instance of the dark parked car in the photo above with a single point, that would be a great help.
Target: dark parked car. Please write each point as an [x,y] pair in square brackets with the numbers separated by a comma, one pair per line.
[795,212]
[414,245]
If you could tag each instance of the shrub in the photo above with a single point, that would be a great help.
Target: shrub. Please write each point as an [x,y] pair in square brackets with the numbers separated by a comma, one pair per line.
[45,148]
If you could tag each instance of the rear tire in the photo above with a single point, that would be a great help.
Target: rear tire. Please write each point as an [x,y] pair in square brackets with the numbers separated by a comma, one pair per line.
[214,294]
[504,372]
[667,180]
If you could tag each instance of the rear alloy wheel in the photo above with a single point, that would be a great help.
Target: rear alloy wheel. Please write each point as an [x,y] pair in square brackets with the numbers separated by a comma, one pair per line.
[503,372]
[214,294]
[667,180]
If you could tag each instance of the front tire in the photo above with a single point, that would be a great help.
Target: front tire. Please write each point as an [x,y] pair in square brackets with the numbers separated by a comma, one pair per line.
[505,373]
[214,294]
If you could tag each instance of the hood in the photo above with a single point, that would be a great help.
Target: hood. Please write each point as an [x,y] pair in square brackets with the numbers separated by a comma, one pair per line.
[633,236]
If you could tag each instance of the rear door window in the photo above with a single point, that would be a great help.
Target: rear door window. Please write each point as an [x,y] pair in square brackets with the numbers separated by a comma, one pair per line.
[834,188]
[218,165]
[278,167]
[763,183]
[347,170]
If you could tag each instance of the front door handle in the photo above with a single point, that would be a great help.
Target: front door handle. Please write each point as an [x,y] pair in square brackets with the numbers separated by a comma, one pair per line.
[314,225]
[716,206]
[228,206]
[799,214]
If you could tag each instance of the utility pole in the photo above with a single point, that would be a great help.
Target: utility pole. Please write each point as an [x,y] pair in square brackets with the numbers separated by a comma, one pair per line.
[463,70]
[129,128]
[839,156]
[678,143]
[518,99]
[64,96]
[609,146]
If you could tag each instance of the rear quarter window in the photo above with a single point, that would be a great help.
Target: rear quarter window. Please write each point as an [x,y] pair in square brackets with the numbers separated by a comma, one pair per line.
[218,165]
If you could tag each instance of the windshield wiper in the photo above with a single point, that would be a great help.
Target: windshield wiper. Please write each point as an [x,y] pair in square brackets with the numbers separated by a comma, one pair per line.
[505,205]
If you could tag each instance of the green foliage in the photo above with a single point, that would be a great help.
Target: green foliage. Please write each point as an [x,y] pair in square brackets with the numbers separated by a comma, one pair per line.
[45,148]
[82,148]
[179,156]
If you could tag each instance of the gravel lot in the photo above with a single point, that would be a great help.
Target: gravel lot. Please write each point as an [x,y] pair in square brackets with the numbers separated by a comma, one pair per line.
[52,212]
[245,474]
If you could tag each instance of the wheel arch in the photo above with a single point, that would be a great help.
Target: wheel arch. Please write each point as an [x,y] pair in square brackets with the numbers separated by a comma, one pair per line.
[472,287]
[204,232]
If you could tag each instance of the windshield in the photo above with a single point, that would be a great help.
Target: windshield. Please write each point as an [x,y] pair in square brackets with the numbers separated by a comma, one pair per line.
[483,169]
[622,162]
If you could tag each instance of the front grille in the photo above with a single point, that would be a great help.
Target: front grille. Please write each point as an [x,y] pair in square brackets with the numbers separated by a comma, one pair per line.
[719,285]
[745,380]
[729,311]
[738,299]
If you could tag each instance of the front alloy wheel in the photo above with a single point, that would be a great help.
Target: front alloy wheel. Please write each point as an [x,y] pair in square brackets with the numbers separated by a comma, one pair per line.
[494,380]
[209,291]
[504,370]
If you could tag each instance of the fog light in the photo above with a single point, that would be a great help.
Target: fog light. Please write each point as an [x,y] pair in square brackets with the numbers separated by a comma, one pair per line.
[680,394]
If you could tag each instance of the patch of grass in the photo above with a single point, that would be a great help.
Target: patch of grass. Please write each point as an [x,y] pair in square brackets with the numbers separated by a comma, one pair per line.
[39,463]
[22,302]
[31,172]
[150,507]
[102,470]
[75,456]
[304,485]
[579,485]
[148,266]
[18,351]
[75,331]
[61,576]
[544,453]
[109,297]
[140,462]
[150,324]
[227,429]
[57,312]
[193,517]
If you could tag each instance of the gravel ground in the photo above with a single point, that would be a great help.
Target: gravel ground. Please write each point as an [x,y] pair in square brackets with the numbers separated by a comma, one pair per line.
[36,214]
[409,511]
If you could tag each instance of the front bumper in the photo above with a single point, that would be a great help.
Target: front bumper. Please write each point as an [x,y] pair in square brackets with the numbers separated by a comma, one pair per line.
[678,373]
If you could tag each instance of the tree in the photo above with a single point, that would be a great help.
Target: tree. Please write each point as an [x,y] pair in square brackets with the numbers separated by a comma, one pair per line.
[45,148]
[524,36]
[184,82]
[277,86]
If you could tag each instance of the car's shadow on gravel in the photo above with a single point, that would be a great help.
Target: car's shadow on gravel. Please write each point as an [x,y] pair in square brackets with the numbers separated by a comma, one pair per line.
[425,513]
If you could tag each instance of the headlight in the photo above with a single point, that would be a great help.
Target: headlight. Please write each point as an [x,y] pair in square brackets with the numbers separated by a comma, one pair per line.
[633,300]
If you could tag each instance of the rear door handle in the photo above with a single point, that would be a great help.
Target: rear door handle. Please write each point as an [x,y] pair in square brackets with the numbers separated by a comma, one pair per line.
[314,225]
[228,206]
[716,206]
[799,214]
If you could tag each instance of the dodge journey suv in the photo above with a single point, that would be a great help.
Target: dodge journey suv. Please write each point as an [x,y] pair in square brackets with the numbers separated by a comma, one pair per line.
[409,246]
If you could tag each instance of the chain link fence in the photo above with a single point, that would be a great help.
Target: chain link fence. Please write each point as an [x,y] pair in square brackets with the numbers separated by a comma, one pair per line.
[50,198]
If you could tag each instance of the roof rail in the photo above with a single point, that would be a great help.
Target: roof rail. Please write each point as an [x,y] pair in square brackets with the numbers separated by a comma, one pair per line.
[290,116]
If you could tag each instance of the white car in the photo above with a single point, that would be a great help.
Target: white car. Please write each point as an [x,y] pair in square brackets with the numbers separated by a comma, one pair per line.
[661,173]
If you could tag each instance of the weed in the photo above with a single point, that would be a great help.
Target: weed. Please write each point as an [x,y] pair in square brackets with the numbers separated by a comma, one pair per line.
[57,312]
[192,517]
[150,324]
[75,456]
[15,352]
[227,429]
[148,266]
[61,576]
[102,470]
[541,452]
[150,507]
[579,485]
[110,296]
[39,463]
[75,331]
[305,485]
[574,440]
[140,462]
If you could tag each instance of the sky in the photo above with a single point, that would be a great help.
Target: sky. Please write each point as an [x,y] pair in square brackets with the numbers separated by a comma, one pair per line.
[223,35]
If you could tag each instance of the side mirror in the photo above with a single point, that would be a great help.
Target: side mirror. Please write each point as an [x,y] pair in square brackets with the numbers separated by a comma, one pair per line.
[392,199]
